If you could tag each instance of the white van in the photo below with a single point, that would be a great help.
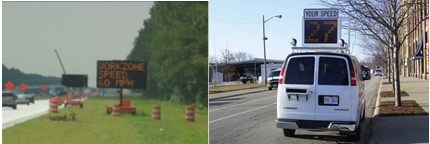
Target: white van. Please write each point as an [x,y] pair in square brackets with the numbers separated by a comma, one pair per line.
[321,91]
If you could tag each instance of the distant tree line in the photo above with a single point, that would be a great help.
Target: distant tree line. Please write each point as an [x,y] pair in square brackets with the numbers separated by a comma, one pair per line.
[174,43]
[17,77]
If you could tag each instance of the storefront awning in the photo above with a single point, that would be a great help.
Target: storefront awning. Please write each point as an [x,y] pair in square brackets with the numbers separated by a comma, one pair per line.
[419,53]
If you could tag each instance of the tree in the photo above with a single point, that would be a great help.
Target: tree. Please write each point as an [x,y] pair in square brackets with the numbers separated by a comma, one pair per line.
[242,56]
[212,59]
[174,43]
[372,16]
[226,59]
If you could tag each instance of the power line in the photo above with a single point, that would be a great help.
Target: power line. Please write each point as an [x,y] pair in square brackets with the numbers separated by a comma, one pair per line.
[277,32]
[234,22]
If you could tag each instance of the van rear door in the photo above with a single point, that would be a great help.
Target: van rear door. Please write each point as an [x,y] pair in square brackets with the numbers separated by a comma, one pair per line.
[333,90]
[296,95]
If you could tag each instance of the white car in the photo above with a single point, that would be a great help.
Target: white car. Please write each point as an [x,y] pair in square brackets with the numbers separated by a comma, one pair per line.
[321,91]
[378,72]
[272,80]
[23,99]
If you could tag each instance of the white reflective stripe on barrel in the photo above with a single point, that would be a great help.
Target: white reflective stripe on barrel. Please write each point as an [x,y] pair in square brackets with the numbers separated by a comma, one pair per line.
[115,113]
[155,115]
[52,104]
[189,117]
[116,108]
[189,111]
[53,109]
[155,110]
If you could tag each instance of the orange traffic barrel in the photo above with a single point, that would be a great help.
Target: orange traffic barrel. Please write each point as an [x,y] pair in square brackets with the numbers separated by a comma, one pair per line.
[156,112]
[189,113]
[116,108]
[53,107]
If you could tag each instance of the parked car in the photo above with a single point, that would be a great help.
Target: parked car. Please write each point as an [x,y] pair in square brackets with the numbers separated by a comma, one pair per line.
[22,99]
[378,72]
[9,99]
[245,77]
[366,75]
[272,80]
[321,91]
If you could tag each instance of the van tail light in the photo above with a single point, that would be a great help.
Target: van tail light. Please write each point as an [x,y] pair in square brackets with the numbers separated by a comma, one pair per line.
[353,80]
[281,76]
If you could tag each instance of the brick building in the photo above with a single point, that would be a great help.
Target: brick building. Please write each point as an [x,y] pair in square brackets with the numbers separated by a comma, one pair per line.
[414,53]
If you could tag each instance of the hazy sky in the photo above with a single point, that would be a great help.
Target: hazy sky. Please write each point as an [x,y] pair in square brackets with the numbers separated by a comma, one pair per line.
[238,25]
[81,32]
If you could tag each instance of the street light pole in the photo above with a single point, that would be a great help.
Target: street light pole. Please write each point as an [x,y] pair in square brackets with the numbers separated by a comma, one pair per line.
[264,44]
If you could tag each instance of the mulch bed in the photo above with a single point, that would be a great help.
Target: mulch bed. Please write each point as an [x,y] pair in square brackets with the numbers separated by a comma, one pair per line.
[387,83]
[409,107]
[391,94]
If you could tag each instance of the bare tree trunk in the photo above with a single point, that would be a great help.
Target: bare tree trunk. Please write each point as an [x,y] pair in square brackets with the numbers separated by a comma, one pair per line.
[396,72]
[389,66]
[393,68]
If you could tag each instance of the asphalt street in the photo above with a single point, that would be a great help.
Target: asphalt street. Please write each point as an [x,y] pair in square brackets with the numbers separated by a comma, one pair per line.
[251,118]
[23,112]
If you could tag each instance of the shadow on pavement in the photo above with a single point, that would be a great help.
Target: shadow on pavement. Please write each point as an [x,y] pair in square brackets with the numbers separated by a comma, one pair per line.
[338,139]
[218,103]
[227,99]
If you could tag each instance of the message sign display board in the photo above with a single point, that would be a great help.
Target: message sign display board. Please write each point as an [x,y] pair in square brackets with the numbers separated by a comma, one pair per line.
[321,27]
[73,80]
[121,74]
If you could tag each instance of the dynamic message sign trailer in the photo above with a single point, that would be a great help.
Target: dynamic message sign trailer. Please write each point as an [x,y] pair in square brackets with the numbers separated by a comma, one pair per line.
[73,80]
[321,27]
[121,74]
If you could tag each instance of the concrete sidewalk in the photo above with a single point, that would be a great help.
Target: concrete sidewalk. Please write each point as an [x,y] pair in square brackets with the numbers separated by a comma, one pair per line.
[404,129]
[236,93]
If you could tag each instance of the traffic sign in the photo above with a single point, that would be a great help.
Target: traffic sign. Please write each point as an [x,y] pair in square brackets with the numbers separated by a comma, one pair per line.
[43,87]
[73,80]
[321,27]
[121,74]
[9,85]
[22,86]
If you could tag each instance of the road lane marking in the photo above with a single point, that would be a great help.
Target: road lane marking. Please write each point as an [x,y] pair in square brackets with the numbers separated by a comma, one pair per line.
[241,113]
[240,104]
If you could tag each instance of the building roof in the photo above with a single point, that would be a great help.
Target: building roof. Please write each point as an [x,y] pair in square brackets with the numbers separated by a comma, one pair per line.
[255,60]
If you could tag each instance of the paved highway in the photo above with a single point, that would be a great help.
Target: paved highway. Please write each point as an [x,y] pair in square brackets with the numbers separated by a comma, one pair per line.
[23,112]
[251,119]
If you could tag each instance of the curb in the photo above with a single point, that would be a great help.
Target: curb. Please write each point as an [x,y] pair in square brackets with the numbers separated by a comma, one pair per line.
[211,99]
[376,117]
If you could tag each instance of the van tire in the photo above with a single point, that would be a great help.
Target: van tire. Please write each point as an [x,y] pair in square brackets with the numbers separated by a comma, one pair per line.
[270,88]
[14,106]
[358,134]
[289,132]
[363,117]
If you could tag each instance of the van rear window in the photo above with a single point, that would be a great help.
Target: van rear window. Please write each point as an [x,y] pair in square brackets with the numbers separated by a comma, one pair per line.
[300,71]
[332,71]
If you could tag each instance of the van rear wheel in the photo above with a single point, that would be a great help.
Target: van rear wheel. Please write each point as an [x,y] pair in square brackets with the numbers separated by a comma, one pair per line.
[289,132]
[357,136]
[364,115]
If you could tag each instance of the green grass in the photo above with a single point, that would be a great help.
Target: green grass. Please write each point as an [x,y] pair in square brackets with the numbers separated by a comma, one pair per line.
[93,125]
[226,88]
[42,97]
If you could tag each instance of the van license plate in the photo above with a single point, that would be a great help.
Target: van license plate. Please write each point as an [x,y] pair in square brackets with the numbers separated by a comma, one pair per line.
[331,100]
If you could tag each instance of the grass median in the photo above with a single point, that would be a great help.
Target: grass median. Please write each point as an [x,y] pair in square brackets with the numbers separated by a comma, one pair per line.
[93,125]
[227,88]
